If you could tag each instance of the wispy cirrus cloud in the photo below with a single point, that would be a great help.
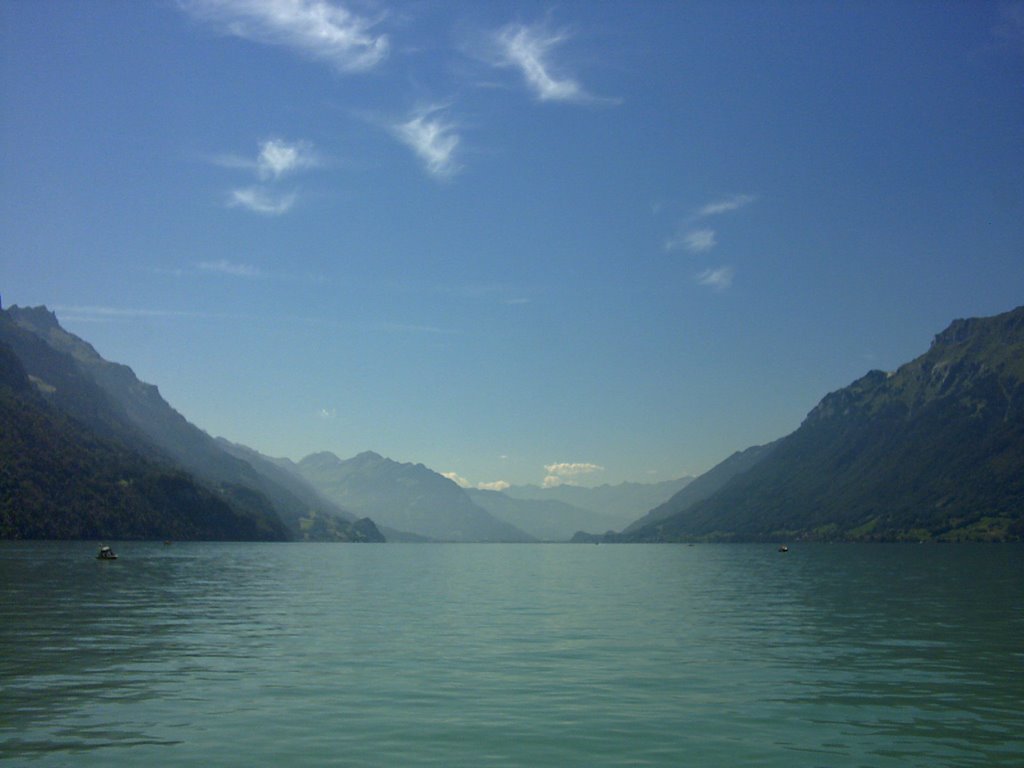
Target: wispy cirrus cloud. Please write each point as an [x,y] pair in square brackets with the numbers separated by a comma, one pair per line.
[702,239]
[695,241]
[225,267]
[278,158]
[719,278]
[567,472]
[724,206]
[96,314]
[529,49]
[317,29]
[261,200]
[433,139]
[497,485]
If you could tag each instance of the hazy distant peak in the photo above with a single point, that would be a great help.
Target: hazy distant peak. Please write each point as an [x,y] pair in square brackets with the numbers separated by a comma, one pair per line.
[368,456]
[319,459]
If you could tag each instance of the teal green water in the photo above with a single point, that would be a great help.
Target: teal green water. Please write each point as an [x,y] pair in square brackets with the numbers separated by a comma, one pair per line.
[512,655]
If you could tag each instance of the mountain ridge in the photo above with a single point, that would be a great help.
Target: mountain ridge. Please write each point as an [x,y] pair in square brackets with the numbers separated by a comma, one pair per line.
[933,450]
[109,397]
[405,497]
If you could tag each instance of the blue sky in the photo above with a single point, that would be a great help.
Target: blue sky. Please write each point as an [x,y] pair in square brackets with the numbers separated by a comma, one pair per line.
[576,241]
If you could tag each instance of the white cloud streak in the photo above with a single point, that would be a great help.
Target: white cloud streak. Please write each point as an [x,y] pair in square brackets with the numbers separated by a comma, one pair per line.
[225,267]
[261,200]
[695,241]
[433,139]
[456,478]
[278,158]
[497,485]
[724,206]
[565,472]
[719,279]
[529,49]
[317,29]
[110,314]
[700,240]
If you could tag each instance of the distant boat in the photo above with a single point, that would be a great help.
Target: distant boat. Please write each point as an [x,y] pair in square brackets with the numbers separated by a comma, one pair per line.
[106,553]
[783,548]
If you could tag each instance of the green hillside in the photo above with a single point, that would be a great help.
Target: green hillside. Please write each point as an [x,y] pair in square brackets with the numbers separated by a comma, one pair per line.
[934,450]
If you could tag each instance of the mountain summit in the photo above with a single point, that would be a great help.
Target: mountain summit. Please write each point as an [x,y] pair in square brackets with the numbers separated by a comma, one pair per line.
[405,497]
[107,399]
[934,450]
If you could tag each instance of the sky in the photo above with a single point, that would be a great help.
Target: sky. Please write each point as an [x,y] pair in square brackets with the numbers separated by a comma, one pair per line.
[572,242]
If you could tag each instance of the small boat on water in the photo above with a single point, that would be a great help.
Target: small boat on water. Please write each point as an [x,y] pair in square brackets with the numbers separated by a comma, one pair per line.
[106,553]
[783,548]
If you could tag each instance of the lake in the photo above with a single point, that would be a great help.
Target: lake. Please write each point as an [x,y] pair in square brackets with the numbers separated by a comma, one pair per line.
[511,655]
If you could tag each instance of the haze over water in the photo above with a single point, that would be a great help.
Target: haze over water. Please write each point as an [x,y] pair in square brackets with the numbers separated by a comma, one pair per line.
[409,655]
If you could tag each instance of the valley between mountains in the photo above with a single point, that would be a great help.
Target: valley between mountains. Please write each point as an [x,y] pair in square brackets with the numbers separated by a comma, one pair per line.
[931,451]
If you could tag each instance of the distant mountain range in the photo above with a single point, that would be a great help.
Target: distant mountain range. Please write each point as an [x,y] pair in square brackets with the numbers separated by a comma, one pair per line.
[604,507]
[405,498]
[108,410]
[933,451]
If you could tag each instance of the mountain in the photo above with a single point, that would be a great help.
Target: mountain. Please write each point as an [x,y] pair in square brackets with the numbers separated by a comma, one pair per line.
[934,450]
[705,485]
[406,497]
[610,506]
[110,399]
[60,479]
[544,519]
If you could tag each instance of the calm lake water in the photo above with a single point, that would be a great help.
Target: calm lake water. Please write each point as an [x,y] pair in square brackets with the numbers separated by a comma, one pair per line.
[511,655]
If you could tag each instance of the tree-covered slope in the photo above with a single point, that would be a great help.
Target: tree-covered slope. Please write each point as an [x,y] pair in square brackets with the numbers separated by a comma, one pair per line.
[932,451]
[704,486]
[60,479]
[109,397]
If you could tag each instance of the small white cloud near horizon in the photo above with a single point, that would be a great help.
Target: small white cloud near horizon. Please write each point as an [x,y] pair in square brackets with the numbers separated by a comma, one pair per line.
[566,472]
[327,414]
[529,48]
[456,478]
[719,279]
[317,29]
[497,485]
[261,200]
[432,139]
[225,267]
